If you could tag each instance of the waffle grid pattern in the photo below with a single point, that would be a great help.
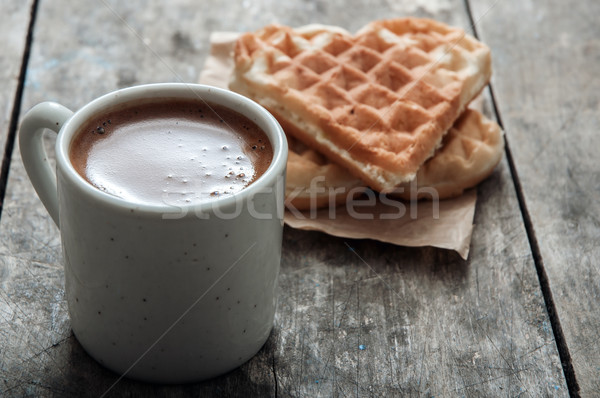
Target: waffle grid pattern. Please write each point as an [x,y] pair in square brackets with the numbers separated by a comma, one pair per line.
[469,153]
[386,95]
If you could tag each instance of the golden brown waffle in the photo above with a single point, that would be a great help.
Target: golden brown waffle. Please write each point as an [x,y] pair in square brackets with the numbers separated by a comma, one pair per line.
[377,103]
[313,182]
[470,151]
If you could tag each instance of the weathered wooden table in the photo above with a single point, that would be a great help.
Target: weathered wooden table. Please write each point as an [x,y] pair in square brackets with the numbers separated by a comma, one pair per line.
[355,318]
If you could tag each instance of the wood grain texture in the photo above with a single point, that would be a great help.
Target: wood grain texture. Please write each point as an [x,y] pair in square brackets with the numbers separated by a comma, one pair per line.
[548,93]
[428,323]
[14,24]
[355,318]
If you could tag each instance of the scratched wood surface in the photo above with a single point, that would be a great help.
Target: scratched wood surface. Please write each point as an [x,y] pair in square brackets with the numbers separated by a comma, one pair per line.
[14,23]
[549,104]
[355,318]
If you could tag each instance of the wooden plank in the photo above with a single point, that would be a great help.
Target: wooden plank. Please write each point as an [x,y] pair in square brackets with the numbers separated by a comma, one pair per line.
[14,25]
[547,88]
[354,317]
[427,322]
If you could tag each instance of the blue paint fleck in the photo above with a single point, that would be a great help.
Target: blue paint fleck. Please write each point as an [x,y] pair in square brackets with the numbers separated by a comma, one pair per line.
[361,347]
[556,388]
[50,64]
[317,381]
[317,285]
[546,327]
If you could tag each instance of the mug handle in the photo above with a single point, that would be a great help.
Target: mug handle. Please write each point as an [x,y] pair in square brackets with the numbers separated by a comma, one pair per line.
[47,115]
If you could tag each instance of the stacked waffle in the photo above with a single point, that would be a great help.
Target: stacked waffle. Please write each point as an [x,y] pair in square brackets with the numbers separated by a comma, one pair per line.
[384,108]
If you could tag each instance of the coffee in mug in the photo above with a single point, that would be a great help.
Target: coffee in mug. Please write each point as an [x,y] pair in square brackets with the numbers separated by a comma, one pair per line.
[176,152]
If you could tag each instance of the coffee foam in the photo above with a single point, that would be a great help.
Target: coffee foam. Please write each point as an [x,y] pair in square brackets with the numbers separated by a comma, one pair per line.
[175,152]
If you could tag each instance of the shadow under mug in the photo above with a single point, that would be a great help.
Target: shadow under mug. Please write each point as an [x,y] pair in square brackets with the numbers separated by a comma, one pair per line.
[162,293]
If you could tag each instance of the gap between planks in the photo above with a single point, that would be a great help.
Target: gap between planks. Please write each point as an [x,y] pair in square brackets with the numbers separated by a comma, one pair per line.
[16,110]
[559,337]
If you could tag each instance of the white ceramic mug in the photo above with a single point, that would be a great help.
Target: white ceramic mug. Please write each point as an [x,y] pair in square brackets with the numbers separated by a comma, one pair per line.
[163,293]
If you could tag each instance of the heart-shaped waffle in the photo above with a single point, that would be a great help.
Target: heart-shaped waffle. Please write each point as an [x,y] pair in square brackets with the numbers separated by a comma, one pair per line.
[378,102]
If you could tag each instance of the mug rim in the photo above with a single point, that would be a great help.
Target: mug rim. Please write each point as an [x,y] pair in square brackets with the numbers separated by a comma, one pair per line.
[245,106]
